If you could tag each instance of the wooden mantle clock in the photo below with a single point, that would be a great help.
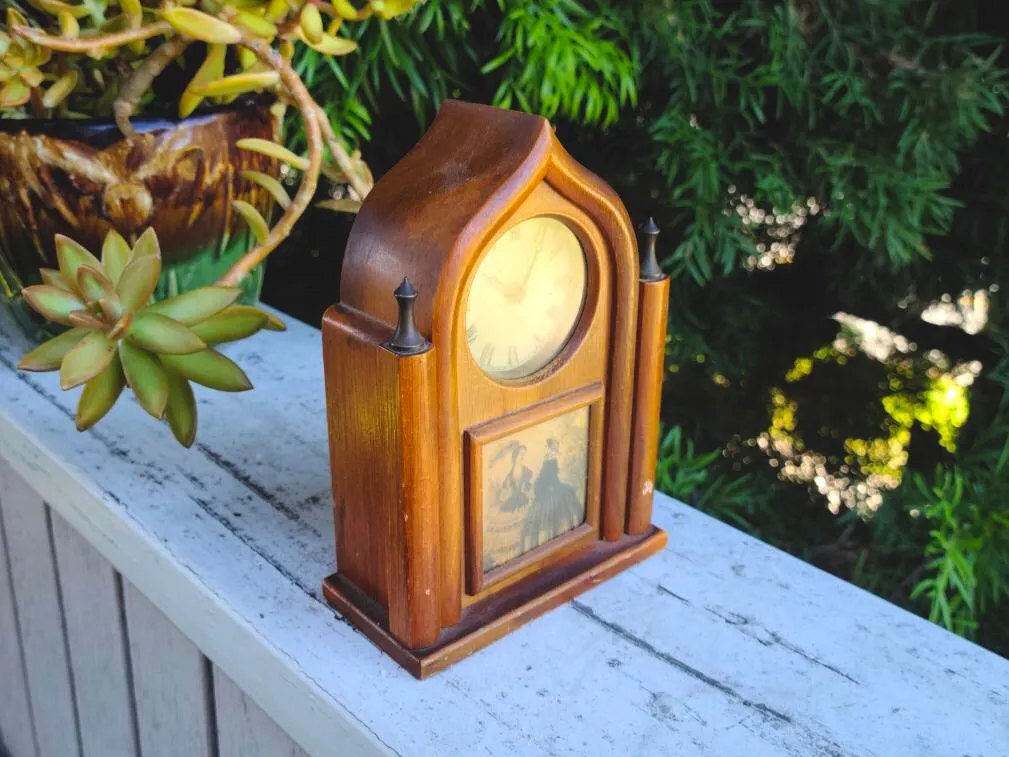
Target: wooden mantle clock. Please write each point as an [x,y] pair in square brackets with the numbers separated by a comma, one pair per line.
[493,375]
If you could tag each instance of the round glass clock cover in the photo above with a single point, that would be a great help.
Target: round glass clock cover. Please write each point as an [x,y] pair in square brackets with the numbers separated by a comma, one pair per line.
[525,298]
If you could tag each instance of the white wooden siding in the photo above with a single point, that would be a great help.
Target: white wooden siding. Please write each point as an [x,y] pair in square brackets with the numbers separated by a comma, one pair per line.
[93,610]
[17,732]
[171,680]
[243,729]
[40,617]
[83,652]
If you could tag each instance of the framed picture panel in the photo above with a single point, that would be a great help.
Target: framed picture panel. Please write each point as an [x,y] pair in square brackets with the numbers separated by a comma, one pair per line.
[532,487]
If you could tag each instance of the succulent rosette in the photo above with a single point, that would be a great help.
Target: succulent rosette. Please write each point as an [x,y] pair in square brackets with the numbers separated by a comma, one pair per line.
[119,338]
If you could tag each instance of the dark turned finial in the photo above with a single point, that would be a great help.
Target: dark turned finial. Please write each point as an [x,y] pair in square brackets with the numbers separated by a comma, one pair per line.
[406,340]
[650,270]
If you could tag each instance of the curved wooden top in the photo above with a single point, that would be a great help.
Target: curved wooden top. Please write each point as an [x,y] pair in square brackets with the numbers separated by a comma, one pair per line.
[461,180]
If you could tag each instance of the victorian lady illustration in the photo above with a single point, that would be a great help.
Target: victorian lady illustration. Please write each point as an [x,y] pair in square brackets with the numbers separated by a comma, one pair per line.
[556,507]
[517,484]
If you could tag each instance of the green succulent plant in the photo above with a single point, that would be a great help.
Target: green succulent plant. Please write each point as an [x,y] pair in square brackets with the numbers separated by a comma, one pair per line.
[118,337]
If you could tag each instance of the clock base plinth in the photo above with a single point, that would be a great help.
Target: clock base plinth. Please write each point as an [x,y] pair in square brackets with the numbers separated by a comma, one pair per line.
[492,618]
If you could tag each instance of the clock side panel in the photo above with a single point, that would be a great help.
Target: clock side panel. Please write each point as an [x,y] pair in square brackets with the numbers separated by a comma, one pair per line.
[380,414]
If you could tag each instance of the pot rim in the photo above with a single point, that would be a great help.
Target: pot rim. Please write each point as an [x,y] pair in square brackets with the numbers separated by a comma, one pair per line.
[88,129]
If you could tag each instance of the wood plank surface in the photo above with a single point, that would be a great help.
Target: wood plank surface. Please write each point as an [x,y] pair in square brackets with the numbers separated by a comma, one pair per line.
[40,616]
[171,681]
[719,645]
[96,634]
[17,733]
[243,729]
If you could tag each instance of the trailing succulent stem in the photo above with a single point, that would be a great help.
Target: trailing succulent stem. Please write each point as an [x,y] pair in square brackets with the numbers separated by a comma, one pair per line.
[119,338]
[57,68]
[129,96]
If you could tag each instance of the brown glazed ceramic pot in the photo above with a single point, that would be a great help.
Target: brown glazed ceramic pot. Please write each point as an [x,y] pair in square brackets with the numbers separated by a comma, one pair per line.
[82,178]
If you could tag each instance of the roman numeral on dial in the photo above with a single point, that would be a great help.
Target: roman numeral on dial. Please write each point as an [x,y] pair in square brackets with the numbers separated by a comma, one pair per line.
[487,355]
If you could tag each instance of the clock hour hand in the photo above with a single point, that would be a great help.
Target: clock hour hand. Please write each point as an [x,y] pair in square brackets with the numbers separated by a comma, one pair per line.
[511,292]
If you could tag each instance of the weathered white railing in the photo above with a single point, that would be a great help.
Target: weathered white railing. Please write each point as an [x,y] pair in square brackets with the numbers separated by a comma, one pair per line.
[160,602]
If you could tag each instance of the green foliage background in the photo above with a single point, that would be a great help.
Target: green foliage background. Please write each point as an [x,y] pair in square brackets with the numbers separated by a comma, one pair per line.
[804,158]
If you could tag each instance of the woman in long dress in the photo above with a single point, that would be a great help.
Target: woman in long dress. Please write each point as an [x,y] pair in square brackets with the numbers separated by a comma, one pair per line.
[556,507]
[517,484]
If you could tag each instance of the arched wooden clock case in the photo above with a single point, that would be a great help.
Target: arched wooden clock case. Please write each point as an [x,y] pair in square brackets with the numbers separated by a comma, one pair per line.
[429,565]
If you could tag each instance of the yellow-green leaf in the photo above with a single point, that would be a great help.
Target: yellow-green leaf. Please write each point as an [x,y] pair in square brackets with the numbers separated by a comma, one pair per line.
[181,409]
[163,336]
[147,245]
[111,308]
[85,319]
[52,303]
[32,77]
[246,58]
[133,9]
[258,25]
[273,323]
[252,217]
[202,26]
[146,377]
[69,26]
[196,305]
[212,68]
[49,355]
[52,277]
[232,324]
[71,257]
[345,10]
[271,185]
[137,283]
[273,150]
[311,23]
[60,89]
[86,359]
[17,18]
[94,285]
[277,9]
[115,255]
[100,394]
[340,206]
[389,9]
[14,94]
[329,44]
[211,369]
[55,7]
[239,84]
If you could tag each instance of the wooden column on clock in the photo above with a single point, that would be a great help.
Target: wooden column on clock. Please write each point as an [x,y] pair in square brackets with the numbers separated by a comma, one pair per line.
[408,432]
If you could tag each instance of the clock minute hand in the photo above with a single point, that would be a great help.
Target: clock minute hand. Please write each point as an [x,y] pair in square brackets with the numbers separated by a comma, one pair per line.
[532,263]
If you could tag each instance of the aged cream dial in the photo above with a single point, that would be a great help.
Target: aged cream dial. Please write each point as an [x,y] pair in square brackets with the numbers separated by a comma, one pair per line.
[525,298]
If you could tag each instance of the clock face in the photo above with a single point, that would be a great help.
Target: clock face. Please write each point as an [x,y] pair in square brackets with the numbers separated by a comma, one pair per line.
[525,298]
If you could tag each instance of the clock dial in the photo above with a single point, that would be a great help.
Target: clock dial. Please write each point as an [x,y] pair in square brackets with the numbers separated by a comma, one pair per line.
[525,298]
